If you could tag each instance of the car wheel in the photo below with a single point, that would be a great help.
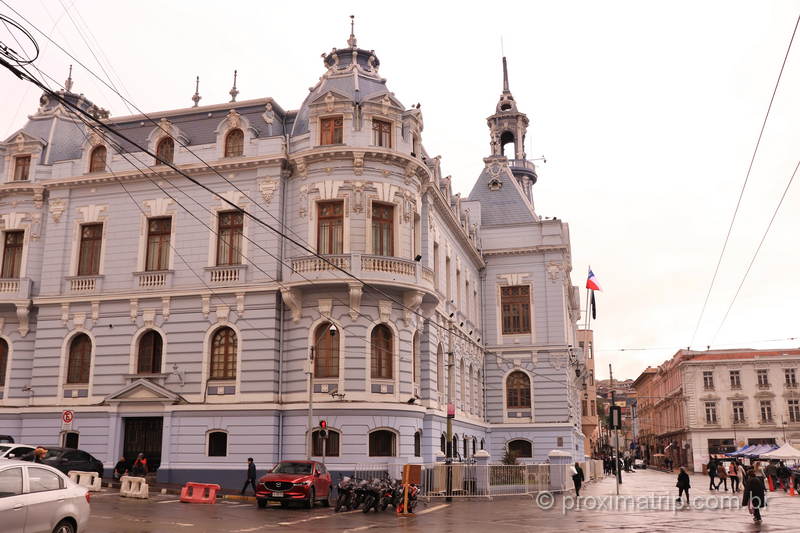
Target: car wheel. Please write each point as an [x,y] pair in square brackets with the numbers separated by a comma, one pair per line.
[261,503]
[65,526]
[311,498]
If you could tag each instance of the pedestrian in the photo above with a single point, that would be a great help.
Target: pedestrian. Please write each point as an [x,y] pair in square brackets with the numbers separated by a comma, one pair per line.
[39,454]
[121,468]
[784,476]
[712,473]
[577,478]
[733,474]
[683,485]
[771,474]
[754,496]
[139,468]
[722,476]
[251,476]
[757,470]
[740,472]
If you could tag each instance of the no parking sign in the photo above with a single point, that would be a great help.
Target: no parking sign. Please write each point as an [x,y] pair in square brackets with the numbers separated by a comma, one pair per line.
[66,419]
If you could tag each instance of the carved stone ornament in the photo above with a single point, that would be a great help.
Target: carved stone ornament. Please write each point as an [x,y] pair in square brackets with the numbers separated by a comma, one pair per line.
[358,197]
[385,103]
[240,304]
[356,291]
[205,304]
[302,169]
[22,317]
[412,300]
[57,207]
[78,320]
[358,163]
[554,270]
[410,170]
[38,197]
[268,188]
[95,310]
[149,317]
[269,114]
[65,312]
[329,101]
[134,309]
[384,310]
[294,300]
[165,301]
[166,127]
[234,119]
[303,201]
[223,312]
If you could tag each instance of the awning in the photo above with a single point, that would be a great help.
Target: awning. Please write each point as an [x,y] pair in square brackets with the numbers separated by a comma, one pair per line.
[785,452]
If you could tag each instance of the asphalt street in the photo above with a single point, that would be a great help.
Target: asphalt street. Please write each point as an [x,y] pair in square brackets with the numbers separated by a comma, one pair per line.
[648,495]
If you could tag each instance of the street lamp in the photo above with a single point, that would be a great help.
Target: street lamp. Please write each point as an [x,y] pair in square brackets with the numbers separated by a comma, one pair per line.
[310,371]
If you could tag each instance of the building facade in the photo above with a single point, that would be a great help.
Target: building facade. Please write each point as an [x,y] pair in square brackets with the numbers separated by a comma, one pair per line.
[589,417]
[325,262]
[715,401]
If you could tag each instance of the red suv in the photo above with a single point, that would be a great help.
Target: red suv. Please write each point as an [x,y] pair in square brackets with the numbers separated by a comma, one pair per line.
[295,481]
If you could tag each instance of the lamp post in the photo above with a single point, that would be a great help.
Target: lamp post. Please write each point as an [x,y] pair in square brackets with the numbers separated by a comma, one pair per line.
[310,371]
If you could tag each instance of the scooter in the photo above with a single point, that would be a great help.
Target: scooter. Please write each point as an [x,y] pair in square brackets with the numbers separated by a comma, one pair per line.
[346,499]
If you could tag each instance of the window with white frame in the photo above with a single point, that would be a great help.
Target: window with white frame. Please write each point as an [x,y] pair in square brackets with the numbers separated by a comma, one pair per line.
[331,443]
[13,242]
[794,410]
[738,412]
[762,377]
[766,410]
[382,229]
[91,244]
[381,133]
[217,444]
[736,379]
[711,412]
[230,228]
[159,233]
[22,167]
[790,375]
[708,380]
[382,443]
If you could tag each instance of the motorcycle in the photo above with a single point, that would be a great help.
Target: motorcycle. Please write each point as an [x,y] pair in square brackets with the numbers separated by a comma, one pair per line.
[372,496]
[359,494]
[413,491]
[346,498]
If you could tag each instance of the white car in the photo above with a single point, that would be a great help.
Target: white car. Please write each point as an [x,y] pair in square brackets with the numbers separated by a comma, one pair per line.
[36,498]
[14,451]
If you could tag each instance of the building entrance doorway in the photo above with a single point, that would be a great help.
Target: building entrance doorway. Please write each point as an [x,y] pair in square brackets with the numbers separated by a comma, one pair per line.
[143,435]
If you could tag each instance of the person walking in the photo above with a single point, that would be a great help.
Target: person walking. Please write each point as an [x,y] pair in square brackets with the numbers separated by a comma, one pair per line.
[683,485]
[251,476]
[712,473]
[722,476]
[733,474]
[139,467]
[741,472]
[754,497]
[577,478]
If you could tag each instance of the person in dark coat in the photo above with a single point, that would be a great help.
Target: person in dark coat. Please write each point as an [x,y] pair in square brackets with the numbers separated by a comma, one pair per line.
[251,476]
[712,473]
[754,496]
[577,479]
[683,485]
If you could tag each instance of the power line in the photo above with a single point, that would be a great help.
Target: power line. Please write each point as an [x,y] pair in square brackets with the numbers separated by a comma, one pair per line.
[744,185]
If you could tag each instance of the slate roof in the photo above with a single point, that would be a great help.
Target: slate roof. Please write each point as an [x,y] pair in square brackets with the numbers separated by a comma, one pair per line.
[506,205]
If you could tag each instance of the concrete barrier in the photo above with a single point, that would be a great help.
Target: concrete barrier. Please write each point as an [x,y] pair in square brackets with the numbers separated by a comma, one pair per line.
[199,493]
[90,480]
[133,487]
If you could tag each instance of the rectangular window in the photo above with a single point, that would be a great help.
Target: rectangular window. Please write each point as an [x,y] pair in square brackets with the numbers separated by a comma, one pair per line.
[12,253]
[382,229]
[515,303]
[331,130]
[458,289]
[763,378]
[711,413]
[468,306]
[22,168]
[330,227]
[91,242]
[708,380]
[436,266]
[447,279]
[229,238]
[794,410]
[583,408]
[736,379]
[158,243]
[791,377]
[382,133]
[766,410]
[738,412]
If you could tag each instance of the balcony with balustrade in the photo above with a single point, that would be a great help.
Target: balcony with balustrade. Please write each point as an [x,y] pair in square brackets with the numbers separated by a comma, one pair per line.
[15,289]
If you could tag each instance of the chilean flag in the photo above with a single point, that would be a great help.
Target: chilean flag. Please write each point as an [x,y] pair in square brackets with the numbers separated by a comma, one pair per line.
[591,282]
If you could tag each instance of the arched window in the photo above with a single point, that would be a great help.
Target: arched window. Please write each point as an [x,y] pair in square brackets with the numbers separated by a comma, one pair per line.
[382,355]
[463,396]
[466,447]
[454,446]
[149,353]
[483,444]
[418,444]
[440,372]
[521,448]
[382,443]
[234,143]
[443,443]
[217,444]
[415,358]
[326,351]
[97,161]
[331,443]
[165,150]
[3,361]
[474,444]
[518,390]
[80,358]
[223,354]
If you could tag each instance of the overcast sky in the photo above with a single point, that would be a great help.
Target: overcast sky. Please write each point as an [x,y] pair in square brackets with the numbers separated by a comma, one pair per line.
[647,113]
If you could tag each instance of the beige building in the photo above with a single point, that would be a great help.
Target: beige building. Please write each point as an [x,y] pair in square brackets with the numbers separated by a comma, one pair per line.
[589,421]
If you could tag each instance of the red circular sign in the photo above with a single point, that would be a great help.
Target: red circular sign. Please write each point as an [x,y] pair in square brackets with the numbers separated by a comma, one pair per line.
[67,416]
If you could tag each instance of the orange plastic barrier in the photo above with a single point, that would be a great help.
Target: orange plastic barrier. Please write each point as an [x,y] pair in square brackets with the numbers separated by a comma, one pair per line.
[199,492]
[771,484]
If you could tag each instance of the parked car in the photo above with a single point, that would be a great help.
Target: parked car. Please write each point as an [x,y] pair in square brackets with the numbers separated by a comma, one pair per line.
[37,498]
[66,459]
[15,451]
[295,481]
[6,439]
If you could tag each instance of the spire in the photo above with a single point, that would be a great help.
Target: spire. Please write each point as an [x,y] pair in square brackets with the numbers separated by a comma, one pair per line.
[234,92]
[505,76]
[68,83]
[196,98]
[351,42]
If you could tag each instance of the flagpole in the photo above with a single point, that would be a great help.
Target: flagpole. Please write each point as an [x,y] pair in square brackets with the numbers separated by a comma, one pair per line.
[586,321]
[588,314]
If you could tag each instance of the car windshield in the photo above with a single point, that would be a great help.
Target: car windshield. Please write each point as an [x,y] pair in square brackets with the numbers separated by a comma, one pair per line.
[292,468]
[51,455]
[4,449]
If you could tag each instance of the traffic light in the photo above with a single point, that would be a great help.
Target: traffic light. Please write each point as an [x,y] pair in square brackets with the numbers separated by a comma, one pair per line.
[323,429]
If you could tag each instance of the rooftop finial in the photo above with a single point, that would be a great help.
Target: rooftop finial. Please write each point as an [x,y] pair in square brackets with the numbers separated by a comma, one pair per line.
[351,42]
[68,83]
[196,98]
[234,91]
[505,75]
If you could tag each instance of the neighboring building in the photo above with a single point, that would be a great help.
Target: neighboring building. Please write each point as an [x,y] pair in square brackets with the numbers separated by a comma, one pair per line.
[711,402]
[185,331]
[589,418]
[625,399]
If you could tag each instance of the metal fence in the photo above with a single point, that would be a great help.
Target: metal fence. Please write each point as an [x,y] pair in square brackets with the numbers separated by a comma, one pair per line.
[483,481]
[371,471]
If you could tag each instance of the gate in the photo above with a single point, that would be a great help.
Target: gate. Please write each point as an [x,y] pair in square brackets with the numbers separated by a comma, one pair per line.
[143,435]
[483,481]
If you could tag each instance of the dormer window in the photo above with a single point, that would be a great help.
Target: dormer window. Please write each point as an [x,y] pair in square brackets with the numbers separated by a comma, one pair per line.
[382,133]
[331,130]
[97,161]
[234,143]
[22,167]
[165,150]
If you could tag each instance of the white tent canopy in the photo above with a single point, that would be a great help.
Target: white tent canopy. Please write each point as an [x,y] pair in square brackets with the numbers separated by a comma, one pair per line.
[787,451]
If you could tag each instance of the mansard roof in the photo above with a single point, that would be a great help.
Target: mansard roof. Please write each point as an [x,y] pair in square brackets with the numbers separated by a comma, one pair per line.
[502,200]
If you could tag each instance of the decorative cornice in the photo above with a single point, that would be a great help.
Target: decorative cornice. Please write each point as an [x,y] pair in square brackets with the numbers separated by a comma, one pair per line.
[527,250]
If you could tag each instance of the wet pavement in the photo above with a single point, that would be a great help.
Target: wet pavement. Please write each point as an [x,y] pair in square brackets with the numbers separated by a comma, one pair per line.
[646,504]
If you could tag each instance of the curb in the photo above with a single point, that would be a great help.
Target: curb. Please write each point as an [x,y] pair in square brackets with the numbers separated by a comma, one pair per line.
[237,497]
